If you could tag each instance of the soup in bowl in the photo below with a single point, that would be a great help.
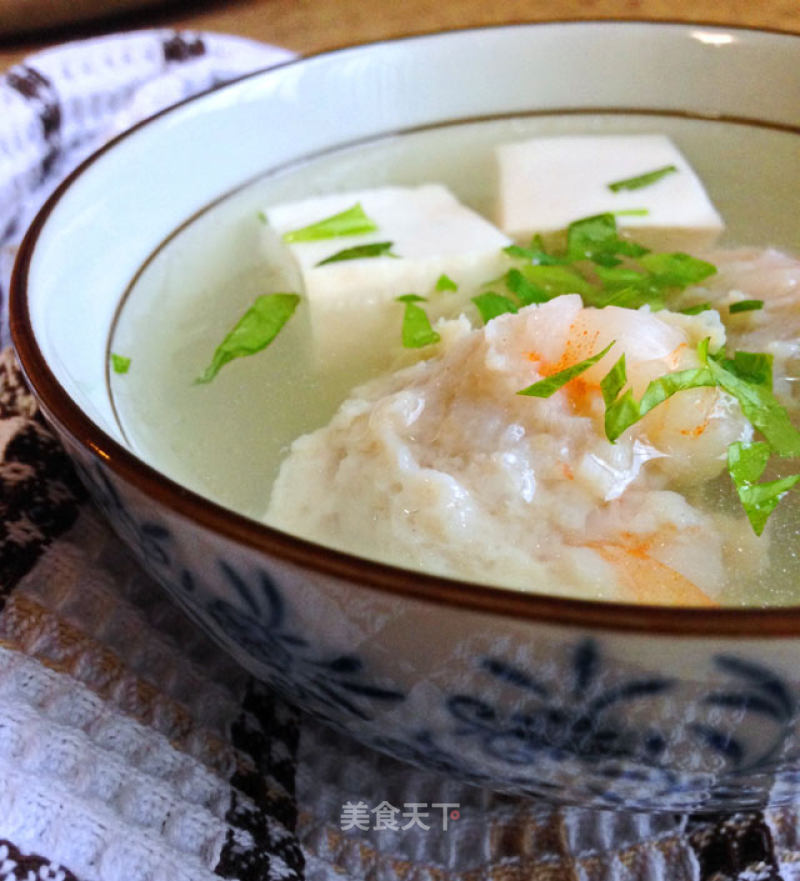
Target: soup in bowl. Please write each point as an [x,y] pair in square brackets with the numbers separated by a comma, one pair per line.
[506,495]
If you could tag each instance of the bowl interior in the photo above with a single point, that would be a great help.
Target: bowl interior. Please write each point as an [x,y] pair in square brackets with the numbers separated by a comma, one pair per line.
[125,201]
[105,222]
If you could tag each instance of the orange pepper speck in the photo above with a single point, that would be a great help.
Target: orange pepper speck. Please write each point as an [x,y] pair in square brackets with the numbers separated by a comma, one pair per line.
[674,357]
[696,431]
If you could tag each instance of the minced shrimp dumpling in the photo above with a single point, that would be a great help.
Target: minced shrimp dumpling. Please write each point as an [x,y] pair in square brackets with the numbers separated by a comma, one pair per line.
[445,467]
[550,378]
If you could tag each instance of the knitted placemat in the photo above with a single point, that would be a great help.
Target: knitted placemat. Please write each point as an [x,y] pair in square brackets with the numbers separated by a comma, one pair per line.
[131,748]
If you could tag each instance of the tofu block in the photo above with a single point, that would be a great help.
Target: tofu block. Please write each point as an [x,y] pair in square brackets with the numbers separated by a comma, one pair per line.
[431,233]
[546,183]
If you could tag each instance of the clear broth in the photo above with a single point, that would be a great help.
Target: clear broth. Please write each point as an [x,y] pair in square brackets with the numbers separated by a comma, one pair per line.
[225,440]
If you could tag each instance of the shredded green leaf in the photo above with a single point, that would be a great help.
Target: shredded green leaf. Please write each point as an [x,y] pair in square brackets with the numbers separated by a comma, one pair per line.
[590,236]
[536,254]
[263,218]
[119,363]
[756,399]
[622,412]
[548,386]
[254,331]
[359,252]
[676,270]
[350,222]
[696,309]
[627,287]
[491,304]
[746,464]
[621,277]
[631,298]
[557,280]
[445,283]
[417,331]
[746,306]
[747,377]
[747,461]
[759,500]
[596,238]
[642,180]
[526,291]
[608,270]
[603,267]
[754,367]
[614,381]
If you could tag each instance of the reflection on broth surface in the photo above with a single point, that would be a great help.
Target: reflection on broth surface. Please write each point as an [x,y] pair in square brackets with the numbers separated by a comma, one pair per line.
[444,465]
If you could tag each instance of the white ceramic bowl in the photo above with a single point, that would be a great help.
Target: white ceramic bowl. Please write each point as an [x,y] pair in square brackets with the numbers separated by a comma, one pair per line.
[596,704]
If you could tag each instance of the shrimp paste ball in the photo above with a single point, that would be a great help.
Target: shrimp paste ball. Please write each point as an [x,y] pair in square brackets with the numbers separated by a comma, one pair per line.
[443,466]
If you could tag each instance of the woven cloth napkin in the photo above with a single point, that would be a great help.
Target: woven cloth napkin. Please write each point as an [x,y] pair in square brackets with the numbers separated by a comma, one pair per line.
[131,748]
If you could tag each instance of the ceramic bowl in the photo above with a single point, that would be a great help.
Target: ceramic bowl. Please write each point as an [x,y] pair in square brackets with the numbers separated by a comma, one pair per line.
[576,702]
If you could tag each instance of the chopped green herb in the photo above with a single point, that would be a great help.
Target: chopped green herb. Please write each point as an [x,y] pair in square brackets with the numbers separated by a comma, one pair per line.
[588,235]
[628,288]
[119,363]
[254,331]
[755,367]
[417,331]
[557,280]
[676,270]
[263,218]
[632,298]
[548,386]
[351,222]
[526,291]
[631,212]
[622,412]
[746,306]
[746,464]
[359,252]
[696,309]
[595,238]
[621,277]
[445,283]
[536,255]
[642,180]
[645,279]
[757,401]
[614,381]
[759,500]
[747,377]
[490,305]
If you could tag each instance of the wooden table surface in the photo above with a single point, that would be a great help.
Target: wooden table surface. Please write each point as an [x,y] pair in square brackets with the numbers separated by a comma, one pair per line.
[313,25]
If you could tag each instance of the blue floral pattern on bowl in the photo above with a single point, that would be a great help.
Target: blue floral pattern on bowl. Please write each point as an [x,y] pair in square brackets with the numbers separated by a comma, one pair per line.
[334,683]
[579,731]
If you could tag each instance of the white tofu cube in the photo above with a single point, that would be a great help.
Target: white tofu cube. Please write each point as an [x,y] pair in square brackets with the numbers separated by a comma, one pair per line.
[431,233]
[546,183]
